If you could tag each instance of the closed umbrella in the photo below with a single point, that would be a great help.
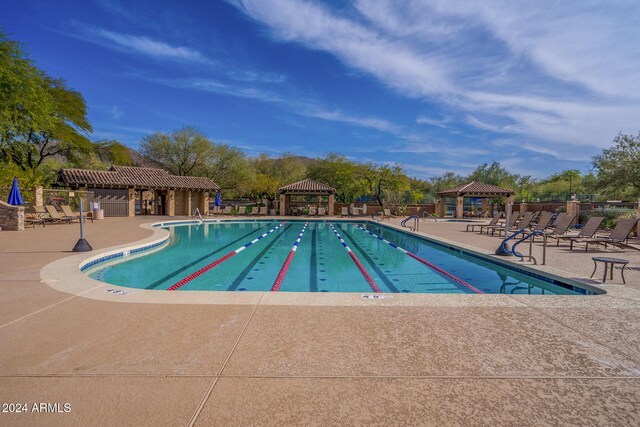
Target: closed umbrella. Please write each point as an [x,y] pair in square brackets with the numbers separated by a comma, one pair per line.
[218,199]
[15,198]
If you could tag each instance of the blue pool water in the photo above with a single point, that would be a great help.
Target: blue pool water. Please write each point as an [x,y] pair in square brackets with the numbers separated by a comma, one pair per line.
[321,262]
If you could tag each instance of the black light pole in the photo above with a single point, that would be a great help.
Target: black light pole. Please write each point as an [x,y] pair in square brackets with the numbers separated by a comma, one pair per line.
[82,245]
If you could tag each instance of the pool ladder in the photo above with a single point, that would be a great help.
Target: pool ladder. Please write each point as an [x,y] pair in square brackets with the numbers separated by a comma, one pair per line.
[505,250]
[416,223]
[196,213]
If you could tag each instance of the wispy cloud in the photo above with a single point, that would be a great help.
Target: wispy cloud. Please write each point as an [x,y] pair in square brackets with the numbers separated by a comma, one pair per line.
[116,113]
[367,122]
[147,46]
[549,72]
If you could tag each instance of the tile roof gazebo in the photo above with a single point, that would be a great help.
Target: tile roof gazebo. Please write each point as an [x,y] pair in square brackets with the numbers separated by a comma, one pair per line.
[307,187]
[473,189]
[156,189]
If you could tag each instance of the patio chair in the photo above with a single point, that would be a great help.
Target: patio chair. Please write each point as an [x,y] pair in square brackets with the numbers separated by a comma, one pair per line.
[524,222]
[494,221]
[560,227]
[618,237]
[586,232]
[344,211]
[543,221]
[228,210]
[386,214]
[513,218]
[312,211]
[53,213]
[263,210]
[66,210]
[242,210]
[322,212]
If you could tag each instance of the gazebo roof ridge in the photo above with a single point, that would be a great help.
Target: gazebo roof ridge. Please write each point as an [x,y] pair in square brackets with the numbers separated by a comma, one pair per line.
[475,187]
[307,186]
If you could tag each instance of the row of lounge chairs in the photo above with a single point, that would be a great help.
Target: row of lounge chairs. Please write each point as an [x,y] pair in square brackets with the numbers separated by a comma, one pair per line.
[557,229]
[242,210]
[48,214]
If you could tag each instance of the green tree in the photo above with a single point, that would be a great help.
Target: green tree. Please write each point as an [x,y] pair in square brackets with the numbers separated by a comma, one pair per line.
[182,152]
[40,117]
[264,186]
[494,174]
[339,172]
[231,169]
[381,179]
[286,169]
[113,153]
[618,167]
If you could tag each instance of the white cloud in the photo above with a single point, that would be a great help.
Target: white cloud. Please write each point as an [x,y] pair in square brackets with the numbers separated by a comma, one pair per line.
[116,113]
[550,72]
[150,47]
[367,122]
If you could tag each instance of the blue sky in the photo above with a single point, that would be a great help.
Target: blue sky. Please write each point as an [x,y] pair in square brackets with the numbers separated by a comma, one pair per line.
[434,85]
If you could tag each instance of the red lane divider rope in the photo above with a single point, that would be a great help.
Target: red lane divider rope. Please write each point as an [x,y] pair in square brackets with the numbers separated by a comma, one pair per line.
[364,272]
[221,260]
[425,262]
[285,266]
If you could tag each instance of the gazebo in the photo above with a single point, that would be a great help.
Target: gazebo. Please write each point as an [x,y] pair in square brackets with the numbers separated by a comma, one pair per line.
[473,189]
[304,194]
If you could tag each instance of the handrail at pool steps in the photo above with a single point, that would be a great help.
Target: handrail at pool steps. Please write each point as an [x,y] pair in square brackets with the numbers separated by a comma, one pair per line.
[416,224]
[530,237]
[504,249]
[196,211]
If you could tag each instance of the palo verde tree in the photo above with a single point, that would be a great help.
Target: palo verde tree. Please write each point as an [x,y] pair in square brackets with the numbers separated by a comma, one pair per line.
[381,179]
[618,167]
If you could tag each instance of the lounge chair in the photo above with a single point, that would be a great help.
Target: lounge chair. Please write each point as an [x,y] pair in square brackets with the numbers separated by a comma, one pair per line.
[312,211]
[560,227]
[586,232]
[386,214]
[262,210]
[242,210]
[543,221]
[322,212]
[494,221]
[344,211]
[524,222]
[66,210]
[53,213]
[618,237]
[228,210]
[513,218]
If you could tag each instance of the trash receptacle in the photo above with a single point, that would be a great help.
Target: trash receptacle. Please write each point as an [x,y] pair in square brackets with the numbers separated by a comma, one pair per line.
[98,214]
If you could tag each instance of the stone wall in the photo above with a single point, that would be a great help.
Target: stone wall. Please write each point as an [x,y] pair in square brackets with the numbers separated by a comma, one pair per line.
[11,217]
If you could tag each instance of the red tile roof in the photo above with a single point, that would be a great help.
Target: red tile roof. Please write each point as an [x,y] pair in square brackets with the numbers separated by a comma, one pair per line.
[135,177]
[307,186]
[477,188]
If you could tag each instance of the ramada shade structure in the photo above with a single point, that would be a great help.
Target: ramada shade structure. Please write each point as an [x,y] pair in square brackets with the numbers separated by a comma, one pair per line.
[154,189]
[473,189]
[307,187]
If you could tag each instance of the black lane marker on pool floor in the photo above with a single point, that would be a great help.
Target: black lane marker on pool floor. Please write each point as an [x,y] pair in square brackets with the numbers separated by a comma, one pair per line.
[191,264]
[313,268]
[257,258]
[371,262]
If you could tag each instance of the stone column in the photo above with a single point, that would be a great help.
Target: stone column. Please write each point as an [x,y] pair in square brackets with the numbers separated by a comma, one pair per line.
[485,207]
[187,202]
[204,202]
[332,202]
[39,197]
[283,207]
[11,217]
[523,207]
[440,207]
[459,207]
[171,203]
[131,196]
[573,209]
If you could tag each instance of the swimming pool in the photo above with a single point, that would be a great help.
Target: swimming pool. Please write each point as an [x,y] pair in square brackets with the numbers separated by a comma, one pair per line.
[314,256]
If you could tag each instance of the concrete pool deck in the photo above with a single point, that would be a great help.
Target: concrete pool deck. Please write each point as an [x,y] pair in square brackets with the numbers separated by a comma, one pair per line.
[446,360]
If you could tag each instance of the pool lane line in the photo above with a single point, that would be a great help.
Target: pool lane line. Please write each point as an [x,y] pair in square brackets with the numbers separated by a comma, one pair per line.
[366,275]
[285,266]
[202,258]
[221,260]
[425,262]
[251,265]
[381,274]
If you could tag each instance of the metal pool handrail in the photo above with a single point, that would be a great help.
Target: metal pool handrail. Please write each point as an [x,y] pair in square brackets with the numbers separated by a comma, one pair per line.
[416,220]
[531,236]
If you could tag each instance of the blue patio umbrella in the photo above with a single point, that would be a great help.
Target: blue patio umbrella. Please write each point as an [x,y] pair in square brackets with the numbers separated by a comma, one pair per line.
[218,200]
[14,195]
